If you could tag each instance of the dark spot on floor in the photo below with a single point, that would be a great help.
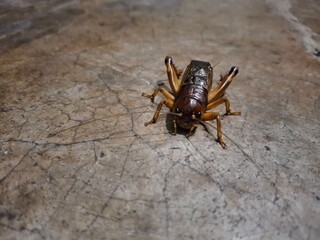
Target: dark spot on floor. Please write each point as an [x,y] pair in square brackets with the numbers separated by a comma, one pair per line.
[7,214]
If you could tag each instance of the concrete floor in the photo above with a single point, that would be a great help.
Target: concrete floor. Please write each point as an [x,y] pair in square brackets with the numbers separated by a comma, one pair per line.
[77,161]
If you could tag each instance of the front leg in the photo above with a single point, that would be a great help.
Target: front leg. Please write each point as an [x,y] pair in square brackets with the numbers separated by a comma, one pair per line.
[174,127]
[192,130]
[212,116]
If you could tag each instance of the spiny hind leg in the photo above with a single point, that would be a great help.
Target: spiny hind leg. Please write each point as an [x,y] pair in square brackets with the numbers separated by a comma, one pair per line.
[225,81]
[173,75]
[178,71]
[212,116]
[227,104]
[165,93]
[167,102]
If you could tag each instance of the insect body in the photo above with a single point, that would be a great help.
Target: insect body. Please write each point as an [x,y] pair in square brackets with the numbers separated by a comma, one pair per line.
[192,97]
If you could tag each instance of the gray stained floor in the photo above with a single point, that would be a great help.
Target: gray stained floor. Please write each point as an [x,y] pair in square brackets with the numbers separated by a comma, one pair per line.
[77,161]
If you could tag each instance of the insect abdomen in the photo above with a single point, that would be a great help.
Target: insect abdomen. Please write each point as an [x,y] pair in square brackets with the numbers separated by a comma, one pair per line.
[196,92]
[198,73]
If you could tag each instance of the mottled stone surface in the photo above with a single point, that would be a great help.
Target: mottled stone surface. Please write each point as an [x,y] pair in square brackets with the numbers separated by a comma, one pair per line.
[77,161]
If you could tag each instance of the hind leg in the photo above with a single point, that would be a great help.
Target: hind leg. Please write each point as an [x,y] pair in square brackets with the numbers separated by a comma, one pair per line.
[173,75]
[225,81]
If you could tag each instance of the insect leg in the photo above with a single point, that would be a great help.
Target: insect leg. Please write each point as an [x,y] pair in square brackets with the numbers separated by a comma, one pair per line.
[225,81]
[167,94]
[174,127]
[178,71]
[212,116]
[172,73]
[167,102]
[221,101]
[192,130]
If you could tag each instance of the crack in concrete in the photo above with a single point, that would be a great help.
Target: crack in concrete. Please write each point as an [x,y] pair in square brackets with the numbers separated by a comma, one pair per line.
[73,107]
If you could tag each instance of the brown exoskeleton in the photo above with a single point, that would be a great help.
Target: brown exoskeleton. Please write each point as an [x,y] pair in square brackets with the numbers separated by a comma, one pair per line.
[192,97]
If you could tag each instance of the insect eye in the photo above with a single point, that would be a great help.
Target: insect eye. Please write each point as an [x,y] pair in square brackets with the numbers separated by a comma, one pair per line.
[198,115]
[177,110]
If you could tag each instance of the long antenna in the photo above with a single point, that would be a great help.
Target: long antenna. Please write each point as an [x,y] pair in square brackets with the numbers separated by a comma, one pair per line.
[204,124]
[174,114]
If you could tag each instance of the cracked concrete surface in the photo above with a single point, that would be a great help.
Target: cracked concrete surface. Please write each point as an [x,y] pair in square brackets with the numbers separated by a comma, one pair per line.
[78,163]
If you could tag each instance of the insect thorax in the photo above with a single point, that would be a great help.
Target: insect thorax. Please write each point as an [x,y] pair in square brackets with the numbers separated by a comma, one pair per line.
[198,73]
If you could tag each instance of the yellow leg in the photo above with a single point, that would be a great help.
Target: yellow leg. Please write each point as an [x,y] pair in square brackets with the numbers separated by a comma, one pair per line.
[172,73]
[167,102]
[225,81]
[178,71]
[212,116]
[221,101]
[162,90]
